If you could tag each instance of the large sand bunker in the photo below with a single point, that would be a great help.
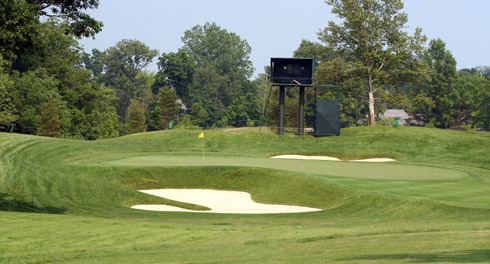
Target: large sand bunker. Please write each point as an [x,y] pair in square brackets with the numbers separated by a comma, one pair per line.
[303,157]
[225,202]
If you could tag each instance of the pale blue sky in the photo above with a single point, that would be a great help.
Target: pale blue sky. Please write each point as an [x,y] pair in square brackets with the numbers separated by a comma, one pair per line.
[275,28]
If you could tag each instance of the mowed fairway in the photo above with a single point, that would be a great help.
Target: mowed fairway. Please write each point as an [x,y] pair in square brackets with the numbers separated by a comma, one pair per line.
[68,201]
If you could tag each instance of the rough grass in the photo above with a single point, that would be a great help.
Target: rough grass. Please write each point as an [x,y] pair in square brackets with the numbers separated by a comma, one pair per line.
[366,219]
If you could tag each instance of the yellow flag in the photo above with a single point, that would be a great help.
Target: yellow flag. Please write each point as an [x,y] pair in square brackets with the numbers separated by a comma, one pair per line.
[201,135]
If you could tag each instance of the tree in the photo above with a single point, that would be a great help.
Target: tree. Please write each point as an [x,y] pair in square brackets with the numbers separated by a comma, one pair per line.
[86,109]
[373,33]
[21,20]
[206,90]
[199,115]
[80,24]
[50,123]
[7,115]
[43,86]
[58,55]
[222,70]
[94,62]
[316,51]
[31,91]
[472,109]
[226,50]
[101,114]
[166,109]
[176,70]
[468,88]
[262,83]
[123,63]
[435,99]
[481,115]
[55,51]
[18,28]
[136,123]
[128,57]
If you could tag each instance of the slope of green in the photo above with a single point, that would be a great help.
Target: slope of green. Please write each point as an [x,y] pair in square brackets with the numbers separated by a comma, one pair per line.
[438,210]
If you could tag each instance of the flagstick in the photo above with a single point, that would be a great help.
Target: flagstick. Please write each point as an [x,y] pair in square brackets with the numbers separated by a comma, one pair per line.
[202,148]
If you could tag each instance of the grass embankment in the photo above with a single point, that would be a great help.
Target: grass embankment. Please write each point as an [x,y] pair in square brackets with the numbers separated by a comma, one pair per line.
[367,219]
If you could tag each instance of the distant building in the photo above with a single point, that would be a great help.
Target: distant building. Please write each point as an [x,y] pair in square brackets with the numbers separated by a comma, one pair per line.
[392,113]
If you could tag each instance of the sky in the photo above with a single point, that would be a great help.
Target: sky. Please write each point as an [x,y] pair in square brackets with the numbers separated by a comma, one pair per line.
[275,28]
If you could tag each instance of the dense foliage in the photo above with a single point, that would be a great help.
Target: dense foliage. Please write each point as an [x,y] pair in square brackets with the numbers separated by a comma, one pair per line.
[212,70]
[380,66]
[379,49]
[49,85]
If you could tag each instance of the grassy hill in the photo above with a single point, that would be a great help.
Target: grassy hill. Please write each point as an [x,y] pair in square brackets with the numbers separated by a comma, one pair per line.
[67,201]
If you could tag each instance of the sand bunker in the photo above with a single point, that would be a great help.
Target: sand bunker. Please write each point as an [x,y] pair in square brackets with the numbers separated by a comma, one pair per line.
[303,157]
[225,202]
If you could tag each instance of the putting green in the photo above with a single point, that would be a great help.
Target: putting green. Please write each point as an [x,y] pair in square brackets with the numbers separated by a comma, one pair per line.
[393,171]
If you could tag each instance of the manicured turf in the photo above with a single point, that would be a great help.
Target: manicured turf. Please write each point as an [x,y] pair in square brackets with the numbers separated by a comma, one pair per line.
[431,206]
[393,171]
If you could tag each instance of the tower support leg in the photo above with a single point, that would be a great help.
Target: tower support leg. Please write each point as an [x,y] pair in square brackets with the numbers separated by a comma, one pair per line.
[281,110]
[301,111]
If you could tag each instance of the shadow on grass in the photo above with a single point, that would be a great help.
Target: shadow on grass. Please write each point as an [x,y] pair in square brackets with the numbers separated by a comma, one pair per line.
[21,206]
[463,256]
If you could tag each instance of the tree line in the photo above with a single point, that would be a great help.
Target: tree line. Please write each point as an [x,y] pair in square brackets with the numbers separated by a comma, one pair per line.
[50,86]
[379,65]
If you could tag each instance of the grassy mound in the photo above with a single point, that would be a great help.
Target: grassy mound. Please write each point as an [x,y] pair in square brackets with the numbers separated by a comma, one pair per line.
[432,205]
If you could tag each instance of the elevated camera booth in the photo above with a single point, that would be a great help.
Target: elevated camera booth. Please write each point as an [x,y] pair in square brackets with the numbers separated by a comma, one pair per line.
[298,72]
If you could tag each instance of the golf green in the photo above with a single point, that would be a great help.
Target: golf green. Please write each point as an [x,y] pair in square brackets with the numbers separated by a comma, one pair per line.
[392,170]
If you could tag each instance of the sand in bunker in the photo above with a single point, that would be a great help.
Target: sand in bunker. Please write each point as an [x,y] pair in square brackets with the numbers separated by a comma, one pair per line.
[225,202]
[303,157]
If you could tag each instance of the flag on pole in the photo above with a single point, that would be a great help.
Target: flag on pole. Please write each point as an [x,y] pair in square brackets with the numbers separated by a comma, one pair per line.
[201,135]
